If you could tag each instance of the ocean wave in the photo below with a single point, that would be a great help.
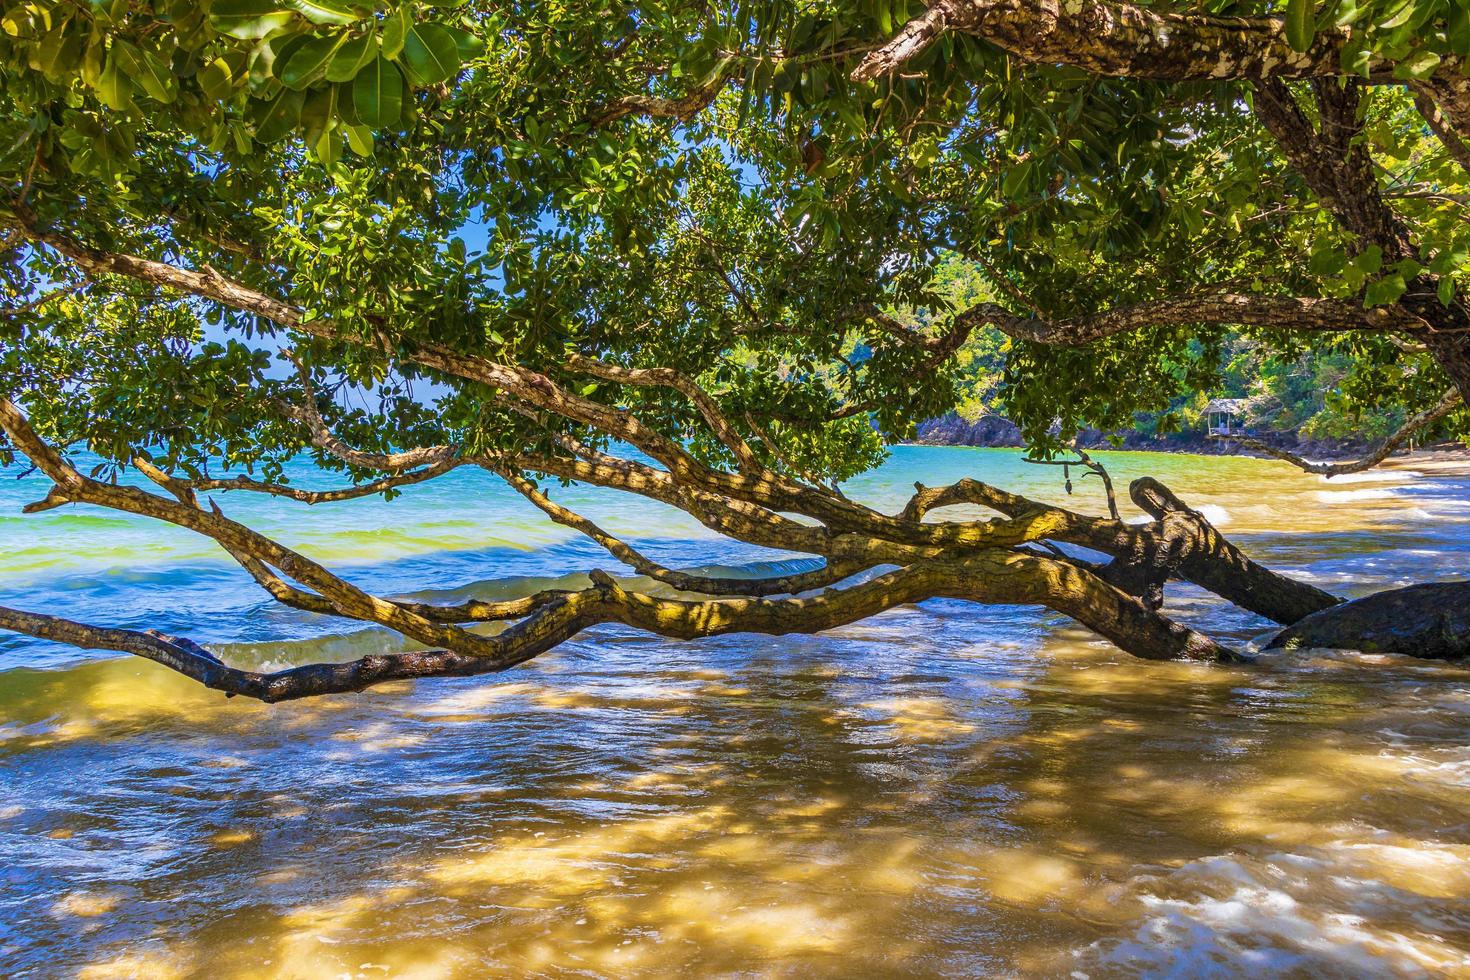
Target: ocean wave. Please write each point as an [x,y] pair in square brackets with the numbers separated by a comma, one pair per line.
[1352,496]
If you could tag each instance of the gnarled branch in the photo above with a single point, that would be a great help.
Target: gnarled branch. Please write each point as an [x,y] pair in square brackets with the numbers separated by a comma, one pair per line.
[1128,40]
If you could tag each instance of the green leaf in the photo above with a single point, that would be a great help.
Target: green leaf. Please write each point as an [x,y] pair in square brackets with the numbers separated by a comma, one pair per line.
[1458,18]
[470,46]
[248,19]
[1355,57]
[279,117]
[1398,15]
[158,79]
[430,53]
[318,112]
[113,87]
[377,94]
[1419,65]
[1300,24]
[279,51]
[1384,291]
[1370,260]
[45,56]
[1446,290]
[326,11]
[328,147]
[360,138]
[92,60]
[345,109]
[215,81]
[145,70]
[351,57]
[1347,12]
[1016,178]
[309,62]
[395,30]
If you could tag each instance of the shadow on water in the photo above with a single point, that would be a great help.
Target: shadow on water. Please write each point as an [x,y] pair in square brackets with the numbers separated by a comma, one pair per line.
[879,805]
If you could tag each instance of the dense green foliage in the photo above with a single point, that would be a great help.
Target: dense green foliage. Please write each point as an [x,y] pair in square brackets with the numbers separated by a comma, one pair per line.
[513,183]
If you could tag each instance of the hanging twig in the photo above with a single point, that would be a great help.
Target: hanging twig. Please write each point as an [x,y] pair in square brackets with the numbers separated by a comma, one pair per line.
[1093,467]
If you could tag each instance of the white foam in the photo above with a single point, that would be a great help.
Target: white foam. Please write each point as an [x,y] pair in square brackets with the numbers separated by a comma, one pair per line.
[1350,496]
[1225,915]
[1374,476]
[1215,514]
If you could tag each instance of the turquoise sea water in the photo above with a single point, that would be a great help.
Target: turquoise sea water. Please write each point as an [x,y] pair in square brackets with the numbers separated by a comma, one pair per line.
[943,790]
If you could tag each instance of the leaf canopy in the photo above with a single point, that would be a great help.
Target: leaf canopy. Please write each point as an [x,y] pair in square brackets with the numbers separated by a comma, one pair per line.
[704,189]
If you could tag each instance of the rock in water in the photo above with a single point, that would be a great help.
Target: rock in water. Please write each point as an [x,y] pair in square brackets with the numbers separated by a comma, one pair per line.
[1431,621]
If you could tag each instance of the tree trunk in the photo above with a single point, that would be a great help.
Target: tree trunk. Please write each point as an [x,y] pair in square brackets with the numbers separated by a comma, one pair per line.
[1452,353]
[1430,621]
[1209,560]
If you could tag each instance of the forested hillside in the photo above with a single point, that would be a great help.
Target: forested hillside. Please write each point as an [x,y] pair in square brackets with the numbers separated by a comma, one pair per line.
[1301,395]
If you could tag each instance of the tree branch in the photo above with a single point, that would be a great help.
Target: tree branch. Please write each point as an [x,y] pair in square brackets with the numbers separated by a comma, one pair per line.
[683,581]
[1450,401]
[686,386]
[1442,128]
[520,643]
[1124,40]
[1276,312]
[1180,542]
[681,109]
[329,496]
[323,436]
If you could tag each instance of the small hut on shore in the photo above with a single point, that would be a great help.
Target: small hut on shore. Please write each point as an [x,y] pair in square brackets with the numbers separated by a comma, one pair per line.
[1225,417]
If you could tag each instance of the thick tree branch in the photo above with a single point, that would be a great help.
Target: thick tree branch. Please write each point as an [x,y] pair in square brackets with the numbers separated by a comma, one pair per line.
[1442,128]
[1275,312]
[1180,542]
[517,644]
[1127,40]
[1006,578]
[683,581]
[682,108]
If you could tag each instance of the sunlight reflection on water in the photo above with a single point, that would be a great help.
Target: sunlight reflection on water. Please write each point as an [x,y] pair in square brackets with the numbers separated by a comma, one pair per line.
[943,790]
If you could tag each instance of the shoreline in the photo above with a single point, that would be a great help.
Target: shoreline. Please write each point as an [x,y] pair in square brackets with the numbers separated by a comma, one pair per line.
[1450,453]
[996,431]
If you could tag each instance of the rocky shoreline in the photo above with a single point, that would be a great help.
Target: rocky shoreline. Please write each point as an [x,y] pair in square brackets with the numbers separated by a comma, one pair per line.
[999,432]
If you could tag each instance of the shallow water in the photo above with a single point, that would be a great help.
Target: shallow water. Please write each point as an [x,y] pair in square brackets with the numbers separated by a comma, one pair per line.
[942,790]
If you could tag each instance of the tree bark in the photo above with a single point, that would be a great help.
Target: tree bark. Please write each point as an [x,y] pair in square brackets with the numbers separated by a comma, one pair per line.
[1430,621]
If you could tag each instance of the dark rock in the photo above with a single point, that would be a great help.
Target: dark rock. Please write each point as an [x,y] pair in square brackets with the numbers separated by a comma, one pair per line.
[1430,621]
[999,431]
[951,430]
